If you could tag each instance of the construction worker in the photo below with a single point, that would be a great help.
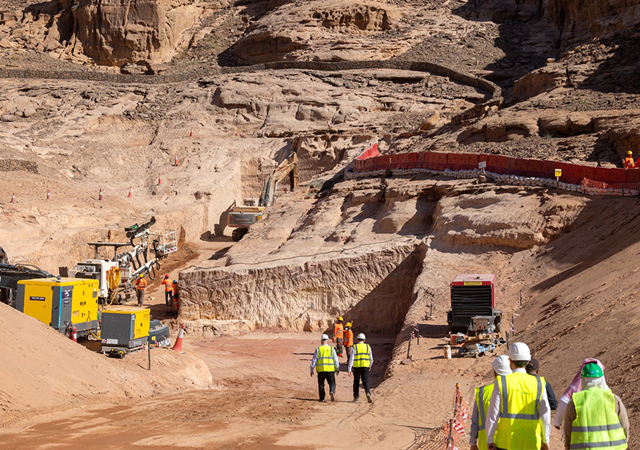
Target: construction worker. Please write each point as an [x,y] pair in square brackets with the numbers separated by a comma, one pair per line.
[360,362]
[338,334]
[168,290]
[574,386]
[176,295]
[520,402]
[595,417]
[348,339]
[141,285]
[628,161]
[532,369]
[327,365]
[478,435]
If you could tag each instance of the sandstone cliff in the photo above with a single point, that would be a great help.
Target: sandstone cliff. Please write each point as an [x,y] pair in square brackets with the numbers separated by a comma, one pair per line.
[108,32]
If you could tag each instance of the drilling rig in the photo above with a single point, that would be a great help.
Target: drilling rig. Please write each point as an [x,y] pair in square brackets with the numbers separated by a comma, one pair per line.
[140,256]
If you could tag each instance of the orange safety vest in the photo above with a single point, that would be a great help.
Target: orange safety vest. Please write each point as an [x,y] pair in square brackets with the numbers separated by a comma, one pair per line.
[168,286]
[175,288]
[348,338]
[338,330]
[141,284]
[628,162]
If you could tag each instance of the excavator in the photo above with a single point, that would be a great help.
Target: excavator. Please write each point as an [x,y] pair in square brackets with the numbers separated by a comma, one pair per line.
[242,217]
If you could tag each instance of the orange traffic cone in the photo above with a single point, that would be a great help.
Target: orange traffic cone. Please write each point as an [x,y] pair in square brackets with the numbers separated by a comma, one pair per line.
[191,133]
[159,179]
[13,198]
[175,160]
[48,194]
[130,193]
[178,345]
[100,194]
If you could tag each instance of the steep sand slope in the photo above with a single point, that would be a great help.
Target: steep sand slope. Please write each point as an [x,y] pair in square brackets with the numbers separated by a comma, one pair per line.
[589,308]
[42,370]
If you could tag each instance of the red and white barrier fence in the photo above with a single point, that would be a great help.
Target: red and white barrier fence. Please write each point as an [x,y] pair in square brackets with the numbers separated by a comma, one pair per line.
[532,172]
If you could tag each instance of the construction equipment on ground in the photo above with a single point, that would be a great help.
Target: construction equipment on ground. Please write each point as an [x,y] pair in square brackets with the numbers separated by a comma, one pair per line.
[116,275]
[473,315]
[159,334]
[124,329]
[242,217]
[11,274]
[69,305]
[473,305]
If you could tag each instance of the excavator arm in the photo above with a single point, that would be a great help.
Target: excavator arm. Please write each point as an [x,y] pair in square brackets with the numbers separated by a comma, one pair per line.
[287,167]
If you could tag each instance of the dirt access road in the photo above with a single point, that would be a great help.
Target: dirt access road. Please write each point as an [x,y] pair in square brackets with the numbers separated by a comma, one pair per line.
[262,393]
[263,398]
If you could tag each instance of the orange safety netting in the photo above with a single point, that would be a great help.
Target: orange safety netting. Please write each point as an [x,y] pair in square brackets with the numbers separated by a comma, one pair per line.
[454,430]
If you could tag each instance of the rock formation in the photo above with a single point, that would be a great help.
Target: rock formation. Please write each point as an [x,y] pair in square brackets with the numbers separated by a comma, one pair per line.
[109,33]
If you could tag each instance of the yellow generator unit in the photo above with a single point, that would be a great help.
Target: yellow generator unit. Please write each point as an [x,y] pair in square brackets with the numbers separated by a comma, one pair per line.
[124,329]
[63,303]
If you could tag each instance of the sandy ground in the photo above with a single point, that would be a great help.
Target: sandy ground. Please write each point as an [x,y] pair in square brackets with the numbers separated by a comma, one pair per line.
[263,398]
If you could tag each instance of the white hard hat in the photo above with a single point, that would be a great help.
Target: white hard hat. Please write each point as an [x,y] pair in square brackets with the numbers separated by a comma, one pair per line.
[325,337]
[361,336]
[501,365]
[520,352]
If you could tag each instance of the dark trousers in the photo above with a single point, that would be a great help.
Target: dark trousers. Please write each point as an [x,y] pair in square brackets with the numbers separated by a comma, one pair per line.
[331,379]
[168,298]
[360,373]
[140,293]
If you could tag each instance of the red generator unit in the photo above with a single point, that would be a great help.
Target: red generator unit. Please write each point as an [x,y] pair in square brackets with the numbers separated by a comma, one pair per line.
[473,301]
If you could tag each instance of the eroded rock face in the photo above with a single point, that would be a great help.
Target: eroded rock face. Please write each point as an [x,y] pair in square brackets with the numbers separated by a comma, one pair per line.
[110,32]
[581,21]
[373,289]
[323,32]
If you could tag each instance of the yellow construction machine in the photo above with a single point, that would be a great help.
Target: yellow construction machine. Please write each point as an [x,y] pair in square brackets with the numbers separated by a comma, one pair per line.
[242,217]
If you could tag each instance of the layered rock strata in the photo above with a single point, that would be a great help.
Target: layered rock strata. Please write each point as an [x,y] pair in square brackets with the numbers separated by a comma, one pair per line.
[373,289]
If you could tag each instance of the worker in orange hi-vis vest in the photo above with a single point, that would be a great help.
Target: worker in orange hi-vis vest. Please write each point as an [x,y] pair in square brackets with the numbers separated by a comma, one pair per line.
[168,291]
[628,161]
[348,339]
[141,285]
[338,335]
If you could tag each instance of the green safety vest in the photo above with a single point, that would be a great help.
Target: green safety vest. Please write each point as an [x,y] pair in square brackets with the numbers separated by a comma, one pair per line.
[325,362]
[519,426]
[597,426]
[361,355]
[483,398]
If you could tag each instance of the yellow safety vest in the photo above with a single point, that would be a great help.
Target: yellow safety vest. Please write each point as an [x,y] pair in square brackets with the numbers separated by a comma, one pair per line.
[597,426]
[519,427]
[361,355]
[325,362]
[483,398]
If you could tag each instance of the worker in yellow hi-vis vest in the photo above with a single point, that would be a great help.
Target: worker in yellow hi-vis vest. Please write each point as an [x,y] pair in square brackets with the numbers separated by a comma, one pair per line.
[360,361]
[595,418]
[478,435]
[326,363]
[520,402]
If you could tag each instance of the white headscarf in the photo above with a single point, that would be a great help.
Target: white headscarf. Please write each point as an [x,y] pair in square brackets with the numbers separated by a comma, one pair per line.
[588,383]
